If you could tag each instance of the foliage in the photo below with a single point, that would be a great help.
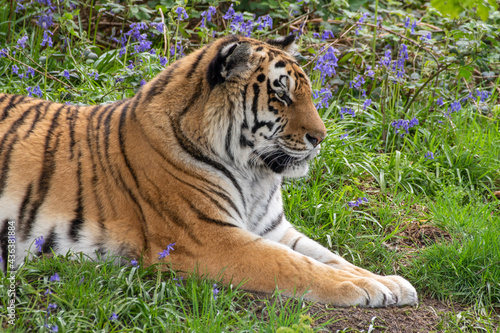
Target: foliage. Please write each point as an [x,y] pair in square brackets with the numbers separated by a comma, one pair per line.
[410,99]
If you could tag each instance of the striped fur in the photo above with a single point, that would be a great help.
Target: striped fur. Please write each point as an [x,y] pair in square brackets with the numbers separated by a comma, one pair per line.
[197,158]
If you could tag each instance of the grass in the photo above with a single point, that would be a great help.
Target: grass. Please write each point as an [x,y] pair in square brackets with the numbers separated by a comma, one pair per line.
[452,193]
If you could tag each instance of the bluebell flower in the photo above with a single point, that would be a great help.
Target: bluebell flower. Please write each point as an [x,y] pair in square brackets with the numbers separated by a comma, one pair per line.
[134,262]
[52,306]
[229,14]
[66,74]
[407,22]
[81,280]
[215,291]
[454,107]
[143,82]
[413,26]
[21,42]
[130,65]
[357,82]
[181,14]
[326,34]
[429,155]
[143,46]
[358,202]
[47,292]
[179,47]
[347,110]
[483,95]
[46,38]
[439,101]
[35,90]
[94,74]
[361,20]
[403,125]
[326,95]
[15,69]
[166,252]
[45,21]
[19,7]
[367,103]
[38,243]
[158,26]
[386,59]
[369,72]
[55,278]
[3,52]
[207,16]
[113,317]
[45,2]
[163,61]
[326,63]
[265,21]
[344,136]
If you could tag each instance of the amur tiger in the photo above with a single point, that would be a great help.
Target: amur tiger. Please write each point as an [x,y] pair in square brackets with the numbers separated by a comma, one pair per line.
[196,158]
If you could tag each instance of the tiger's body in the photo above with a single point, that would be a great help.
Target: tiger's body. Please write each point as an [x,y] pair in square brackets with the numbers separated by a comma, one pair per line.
[196,158]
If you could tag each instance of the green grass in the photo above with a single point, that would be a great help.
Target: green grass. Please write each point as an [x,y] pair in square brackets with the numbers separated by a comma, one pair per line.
[452,193]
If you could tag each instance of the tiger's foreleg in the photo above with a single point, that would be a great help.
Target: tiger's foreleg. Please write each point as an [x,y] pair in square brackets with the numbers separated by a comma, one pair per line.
[264,265]
[404,292]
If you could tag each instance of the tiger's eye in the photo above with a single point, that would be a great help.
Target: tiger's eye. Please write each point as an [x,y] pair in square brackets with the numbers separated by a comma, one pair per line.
[280,94]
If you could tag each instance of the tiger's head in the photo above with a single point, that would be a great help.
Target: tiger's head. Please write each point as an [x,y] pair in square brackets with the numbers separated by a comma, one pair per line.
[274,123]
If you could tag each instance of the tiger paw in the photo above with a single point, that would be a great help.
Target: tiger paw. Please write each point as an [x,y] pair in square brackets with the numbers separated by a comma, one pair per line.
[364,292]
[403,291]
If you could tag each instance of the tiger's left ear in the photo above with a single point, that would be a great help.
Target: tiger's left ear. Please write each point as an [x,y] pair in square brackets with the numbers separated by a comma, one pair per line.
[286,44]
[231,61]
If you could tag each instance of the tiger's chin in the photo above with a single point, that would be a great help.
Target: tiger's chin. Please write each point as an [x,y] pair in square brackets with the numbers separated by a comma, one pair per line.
[287,166]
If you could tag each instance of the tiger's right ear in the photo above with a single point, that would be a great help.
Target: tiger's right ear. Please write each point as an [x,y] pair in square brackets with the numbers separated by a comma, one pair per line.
[229,62]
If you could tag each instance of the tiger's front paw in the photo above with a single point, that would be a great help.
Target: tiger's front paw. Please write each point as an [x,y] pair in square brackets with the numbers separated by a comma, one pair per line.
[404,292]
[365,292]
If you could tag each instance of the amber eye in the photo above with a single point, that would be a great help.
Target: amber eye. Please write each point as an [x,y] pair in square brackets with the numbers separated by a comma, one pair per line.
[280,94]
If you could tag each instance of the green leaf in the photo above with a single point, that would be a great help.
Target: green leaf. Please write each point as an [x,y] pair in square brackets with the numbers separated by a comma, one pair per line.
[464,73]
[482,11]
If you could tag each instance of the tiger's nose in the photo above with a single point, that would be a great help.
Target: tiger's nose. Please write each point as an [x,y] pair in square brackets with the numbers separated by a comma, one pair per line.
[314,139]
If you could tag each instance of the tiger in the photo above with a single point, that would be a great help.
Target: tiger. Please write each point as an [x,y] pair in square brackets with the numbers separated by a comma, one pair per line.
[194,162]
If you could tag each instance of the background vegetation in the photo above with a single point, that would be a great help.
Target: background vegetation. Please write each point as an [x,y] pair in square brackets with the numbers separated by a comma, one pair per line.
[404,184]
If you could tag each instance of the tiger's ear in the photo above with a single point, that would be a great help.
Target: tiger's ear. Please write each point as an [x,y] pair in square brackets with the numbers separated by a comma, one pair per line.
[230,61]
[286,44]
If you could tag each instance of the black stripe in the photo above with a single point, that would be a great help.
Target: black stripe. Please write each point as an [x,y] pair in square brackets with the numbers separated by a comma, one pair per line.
[71,116]
[206,218]
[195,152]
[274,223]
[161,83]
[228,140]
[295,243]
[6,166]
[4,239]
[12,103]
[48,170]
[175,218]
[77,223]
[37,116]
[50,242]
[196,62]
[25,203]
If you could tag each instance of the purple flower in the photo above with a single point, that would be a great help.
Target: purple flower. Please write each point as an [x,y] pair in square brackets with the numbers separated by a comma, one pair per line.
[143,46]
[19,8]
[483,95]
[369,72]
[404,125]
[181,14]
[35,90]
[386,59]
[163,61]
[45,2]
[207,15]
[38,243]
[429,155]
[30,71]
[229,14]
[15,69]
[55,278]
[53,328]
[326,34]
[344,136]
[326,63]
[367,103]
[134,262]
[47,292]
[357,82]
[166,252]
[81,280]
[46,38]
[143,82]
[158,26]
[21,42]
[413,26]
[113,317]
[52,306]
[3,52]
[94,74]
[45,21]
[358,202]
[407,22]
[439,101]
[179,47]
[215,291]
[346,110]
[265,21]
[66,74]
[454,107]
[325,95]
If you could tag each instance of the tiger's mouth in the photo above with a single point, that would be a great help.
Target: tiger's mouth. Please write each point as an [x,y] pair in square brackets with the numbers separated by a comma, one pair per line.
[279,161]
